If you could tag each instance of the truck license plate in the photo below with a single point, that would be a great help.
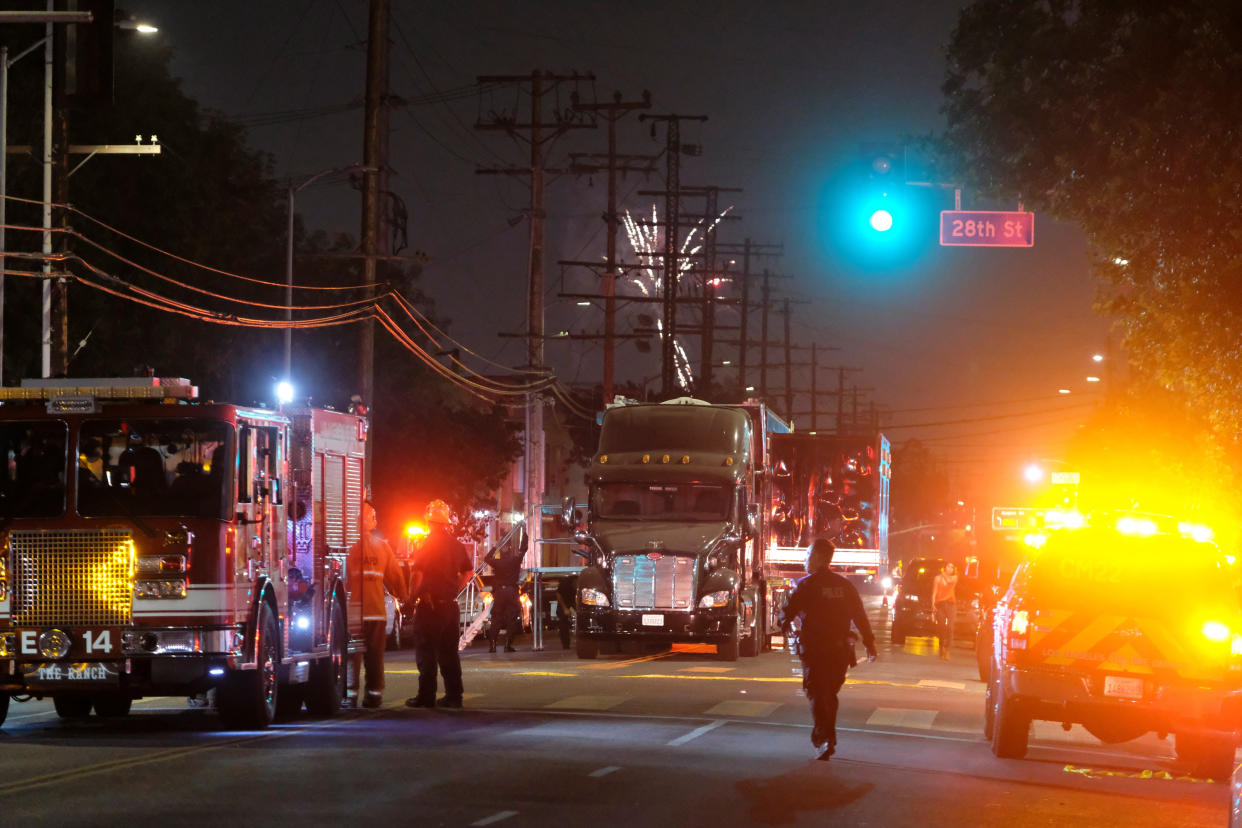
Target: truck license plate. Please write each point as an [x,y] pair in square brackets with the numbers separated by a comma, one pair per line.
[1123,687]
[70,672]
[653,620]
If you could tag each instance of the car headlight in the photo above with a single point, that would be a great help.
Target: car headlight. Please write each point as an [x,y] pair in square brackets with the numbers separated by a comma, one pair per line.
[913,598]
[593,597]
[715,599]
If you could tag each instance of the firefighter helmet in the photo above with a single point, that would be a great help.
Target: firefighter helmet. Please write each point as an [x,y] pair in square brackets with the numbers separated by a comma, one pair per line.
[438,512]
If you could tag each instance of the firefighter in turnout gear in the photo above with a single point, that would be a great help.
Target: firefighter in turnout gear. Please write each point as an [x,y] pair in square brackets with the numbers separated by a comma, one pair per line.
[372,568]
[506,611]
[440,571]
[826,603]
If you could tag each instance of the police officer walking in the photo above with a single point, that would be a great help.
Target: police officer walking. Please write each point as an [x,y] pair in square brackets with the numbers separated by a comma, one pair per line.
[826,603]
[506,611]
[372,568]
[440,571]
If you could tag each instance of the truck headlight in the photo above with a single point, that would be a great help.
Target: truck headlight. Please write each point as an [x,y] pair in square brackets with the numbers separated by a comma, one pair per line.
[715,599]
[593,597]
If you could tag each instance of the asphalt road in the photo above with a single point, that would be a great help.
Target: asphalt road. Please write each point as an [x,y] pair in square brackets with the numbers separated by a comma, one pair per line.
[667,738]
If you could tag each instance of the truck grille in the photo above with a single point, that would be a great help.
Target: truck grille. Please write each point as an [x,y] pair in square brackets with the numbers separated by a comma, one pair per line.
[72,577]
[653,582]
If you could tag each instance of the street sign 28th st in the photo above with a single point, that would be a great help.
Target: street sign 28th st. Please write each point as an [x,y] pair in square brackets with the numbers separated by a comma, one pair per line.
[981,228]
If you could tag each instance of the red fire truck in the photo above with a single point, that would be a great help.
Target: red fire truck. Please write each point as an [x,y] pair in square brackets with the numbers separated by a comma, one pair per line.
[157,545]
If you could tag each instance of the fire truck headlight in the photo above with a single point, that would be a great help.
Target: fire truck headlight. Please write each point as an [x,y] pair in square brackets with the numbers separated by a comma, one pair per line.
[593,597]
[715,599]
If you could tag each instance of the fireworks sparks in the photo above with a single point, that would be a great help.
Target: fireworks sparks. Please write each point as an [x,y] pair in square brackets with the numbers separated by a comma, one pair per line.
[646,239]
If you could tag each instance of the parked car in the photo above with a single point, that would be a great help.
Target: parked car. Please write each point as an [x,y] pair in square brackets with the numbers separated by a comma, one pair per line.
[911,612]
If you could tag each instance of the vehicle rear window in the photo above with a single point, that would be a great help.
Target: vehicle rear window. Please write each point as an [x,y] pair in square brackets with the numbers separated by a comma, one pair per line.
[1111,572]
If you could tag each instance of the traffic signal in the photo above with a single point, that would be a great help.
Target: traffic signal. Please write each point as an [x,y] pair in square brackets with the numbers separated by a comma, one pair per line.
[871,218]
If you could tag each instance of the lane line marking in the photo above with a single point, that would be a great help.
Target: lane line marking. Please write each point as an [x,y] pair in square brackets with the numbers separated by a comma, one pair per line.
[496,817]
[614,665]
[604,771]
[707,669]
[696,733]
[949,685]
[545,673]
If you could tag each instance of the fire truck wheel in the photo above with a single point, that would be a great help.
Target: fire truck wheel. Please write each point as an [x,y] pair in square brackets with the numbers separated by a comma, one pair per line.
[289,701]
[587,647]
[247,699]
[112,705]
[72,706]
[4,707]
[326,689]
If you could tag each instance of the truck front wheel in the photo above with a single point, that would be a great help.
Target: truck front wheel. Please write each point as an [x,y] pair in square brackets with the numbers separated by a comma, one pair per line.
[4,707]
[247,699]
[731,647]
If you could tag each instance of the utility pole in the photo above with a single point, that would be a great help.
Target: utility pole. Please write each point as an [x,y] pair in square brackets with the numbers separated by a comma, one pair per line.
[612,112]
[710,274]
[747,249]
[374,140]
[841,370]
[672,215]
[788,364]
[538,134]
[763,333]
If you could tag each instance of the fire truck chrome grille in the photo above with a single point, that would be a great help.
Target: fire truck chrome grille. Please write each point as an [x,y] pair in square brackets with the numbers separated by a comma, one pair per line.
[664,582]
[72,577]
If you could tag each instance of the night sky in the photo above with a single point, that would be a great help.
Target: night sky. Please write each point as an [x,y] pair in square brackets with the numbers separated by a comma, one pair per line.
[791,89]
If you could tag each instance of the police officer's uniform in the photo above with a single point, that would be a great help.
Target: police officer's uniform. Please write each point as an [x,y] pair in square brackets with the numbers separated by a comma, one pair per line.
[506,611]
[827,603]
[436,574]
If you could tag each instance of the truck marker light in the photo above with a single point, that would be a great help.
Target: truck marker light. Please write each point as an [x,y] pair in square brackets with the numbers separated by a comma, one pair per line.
[646,458]
[664,459]
[685,458]
[1216,631]
[603,458]
[728,461]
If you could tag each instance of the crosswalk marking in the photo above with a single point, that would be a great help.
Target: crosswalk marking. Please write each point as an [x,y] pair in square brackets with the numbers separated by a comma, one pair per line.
[902,717]
[587,703]
[737,707]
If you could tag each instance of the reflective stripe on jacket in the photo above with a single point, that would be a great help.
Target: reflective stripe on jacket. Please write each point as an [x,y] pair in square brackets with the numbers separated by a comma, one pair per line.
[373,567]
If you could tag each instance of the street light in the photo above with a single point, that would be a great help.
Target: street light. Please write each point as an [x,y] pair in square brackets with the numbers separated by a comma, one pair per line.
[293,190]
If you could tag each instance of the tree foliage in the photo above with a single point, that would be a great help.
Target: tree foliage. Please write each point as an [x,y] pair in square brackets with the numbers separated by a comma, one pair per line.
[1121,117]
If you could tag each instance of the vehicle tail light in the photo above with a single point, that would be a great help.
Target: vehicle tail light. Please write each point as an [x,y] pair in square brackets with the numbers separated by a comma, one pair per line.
[1216,631]
[1019,626]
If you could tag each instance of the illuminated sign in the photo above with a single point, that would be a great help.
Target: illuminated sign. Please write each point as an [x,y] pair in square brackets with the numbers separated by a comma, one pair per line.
[1017,517]
[978,228]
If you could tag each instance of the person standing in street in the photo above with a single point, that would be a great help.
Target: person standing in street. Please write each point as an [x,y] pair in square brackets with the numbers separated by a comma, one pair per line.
[440,571]
[825,603]
[372,568]
[506,611]
[944,603]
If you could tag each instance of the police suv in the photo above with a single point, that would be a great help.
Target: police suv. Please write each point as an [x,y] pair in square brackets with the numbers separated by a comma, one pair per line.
[1125,629]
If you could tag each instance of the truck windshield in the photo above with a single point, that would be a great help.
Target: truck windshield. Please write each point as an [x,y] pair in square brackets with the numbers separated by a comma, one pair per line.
[147,467]
[34,480]
[662,501]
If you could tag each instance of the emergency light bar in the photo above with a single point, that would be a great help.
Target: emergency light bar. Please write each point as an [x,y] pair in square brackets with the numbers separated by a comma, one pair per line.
[74,392]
